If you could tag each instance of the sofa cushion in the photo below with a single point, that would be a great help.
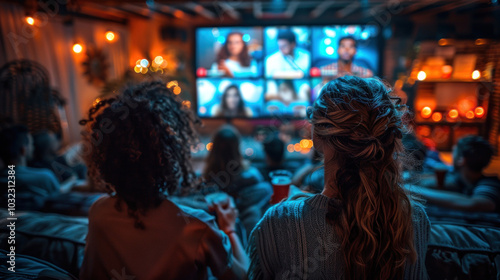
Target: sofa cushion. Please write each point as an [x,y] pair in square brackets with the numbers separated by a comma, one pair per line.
[28,267]
[54,238]
[461,251]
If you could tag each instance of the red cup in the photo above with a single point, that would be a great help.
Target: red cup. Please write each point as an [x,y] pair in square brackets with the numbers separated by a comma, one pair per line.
[281,181]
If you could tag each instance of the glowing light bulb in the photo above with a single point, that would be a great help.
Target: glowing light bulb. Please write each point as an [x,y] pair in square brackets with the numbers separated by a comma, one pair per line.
[476,75]
[159,60]
[110,36]
[30,20]
[469,115]
[77,48]
[421,76]
[426,112]
[437,116]
[453,113]
[479,112]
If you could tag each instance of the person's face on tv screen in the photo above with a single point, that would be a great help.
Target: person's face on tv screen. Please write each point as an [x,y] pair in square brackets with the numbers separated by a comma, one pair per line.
[286,47]
[232,99]
[235,44]
[347,49]
[286,93]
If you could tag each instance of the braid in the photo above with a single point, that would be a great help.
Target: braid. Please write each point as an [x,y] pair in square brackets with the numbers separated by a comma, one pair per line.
[358,122]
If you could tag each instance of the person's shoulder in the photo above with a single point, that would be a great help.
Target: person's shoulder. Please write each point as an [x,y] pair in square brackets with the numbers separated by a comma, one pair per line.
[418,212]
[492,181]
[40,173]
[197,215]
[102,205]
[303,52]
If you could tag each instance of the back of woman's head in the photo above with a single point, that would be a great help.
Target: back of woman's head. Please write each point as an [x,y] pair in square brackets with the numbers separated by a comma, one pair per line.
[225,155]
[359,128]
[138,145]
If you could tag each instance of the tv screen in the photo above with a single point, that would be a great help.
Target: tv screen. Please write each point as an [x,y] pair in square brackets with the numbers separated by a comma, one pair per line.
[264,71]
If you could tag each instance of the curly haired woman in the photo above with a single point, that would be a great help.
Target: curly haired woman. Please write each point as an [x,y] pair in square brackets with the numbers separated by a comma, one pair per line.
[138,146]
[363,225]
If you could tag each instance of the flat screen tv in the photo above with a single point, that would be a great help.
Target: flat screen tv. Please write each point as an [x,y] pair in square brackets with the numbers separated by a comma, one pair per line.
[264,71]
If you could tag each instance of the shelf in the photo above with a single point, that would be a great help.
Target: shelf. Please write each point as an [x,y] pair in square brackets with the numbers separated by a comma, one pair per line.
[454,81]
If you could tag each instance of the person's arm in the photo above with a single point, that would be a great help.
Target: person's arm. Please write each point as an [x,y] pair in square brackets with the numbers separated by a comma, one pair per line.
[455,200]
[226,218]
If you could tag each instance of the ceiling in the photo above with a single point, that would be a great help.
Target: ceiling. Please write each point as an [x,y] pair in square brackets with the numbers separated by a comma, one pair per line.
[287,11]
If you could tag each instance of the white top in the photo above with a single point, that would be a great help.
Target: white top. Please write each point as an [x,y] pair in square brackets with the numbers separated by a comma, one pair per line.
[279,66]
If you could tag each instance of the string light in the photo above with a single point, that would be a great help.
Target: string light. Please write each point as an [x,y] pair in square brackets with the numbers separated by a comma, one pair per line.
[77,48]
[421,76]
[453,113]
[476,75]
[289,148]
[30,20]
[469,115]
[479,112]
[110,36]
[426,112]
[437,116]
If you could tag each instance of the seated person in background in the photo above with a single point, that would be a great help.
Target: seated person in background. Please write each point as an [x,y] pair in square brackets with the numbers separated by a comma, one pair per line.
[479,193]
[33,185]
[46,156]
[345,65]
[137,230]
[363,225]
[232,105]
[289,61]
[310,177]
[225,166]
[233,58]
[274,149]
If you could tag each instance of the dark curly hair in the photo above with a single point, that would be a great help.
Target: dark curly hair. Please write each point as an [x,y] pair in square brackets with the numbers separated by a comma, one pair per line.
[137,145]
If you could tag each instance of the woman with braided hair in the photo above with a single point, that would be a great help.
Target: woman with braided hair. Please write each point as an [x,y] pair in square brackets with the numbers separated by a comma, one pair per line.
[137,145]
[363,225]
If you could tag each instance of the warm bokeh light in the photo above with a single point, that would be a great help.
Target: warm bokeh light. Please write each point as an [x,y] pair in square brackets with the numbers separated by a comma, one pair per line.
[481,41]
[466,104]
[479,112]
[443,42]
[469,115]
[159,60]
[426,112]
[137,69]
[297,147]
[172,84]
[203,110]
[446,71]
[144,70]
[186,104]
[177,90]
[77,48]
[304,143]
[209,146]
[421,76]
[476,75]
[30,20]
[110,36]
[453,113]
[289,148]
[96,101]
[437,116]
